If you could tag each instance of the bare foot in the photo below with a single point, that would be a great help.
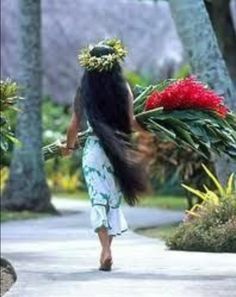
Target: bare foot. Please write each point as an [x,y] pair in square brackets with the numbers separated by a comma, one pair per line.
[106,260]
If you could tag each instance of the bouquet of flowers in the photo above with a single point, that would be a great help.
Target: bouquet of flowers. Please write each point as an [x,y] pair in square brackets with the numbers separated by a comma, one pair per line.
[190,114]
[186,112]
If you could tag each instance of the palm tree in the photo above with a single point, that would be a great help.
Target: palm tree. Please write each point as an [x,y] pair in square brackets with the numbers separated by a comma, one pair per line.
[200,43]
[222,21]
[27,187]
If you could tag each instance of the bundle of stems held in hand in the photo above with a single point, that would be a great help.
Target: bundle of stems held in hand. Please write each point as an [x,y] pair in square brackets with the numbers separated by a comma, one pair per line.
[54,149]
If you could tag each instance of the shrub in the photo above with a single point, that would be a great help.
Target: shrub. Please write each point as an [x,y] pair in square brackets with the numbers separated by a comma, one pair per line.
[211,225]
[65,175]
[55,120]
[8,97]
[60,182]
[4,174]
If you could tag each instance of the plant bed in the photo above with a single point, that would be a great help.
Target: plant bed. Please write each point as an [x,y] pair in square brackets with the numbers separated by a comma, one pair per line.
[211,225]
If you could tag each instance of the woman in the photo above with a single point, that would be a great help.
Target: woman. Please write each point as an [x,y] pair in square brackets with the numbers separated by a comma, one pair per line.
[109,162]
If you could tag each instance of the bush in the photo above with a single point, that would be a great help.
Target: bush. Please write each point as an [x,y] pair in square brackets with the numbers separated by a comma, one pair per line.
[55,119]
[135,78]
[4,174]
[210,226]
[65,175]
[9,95]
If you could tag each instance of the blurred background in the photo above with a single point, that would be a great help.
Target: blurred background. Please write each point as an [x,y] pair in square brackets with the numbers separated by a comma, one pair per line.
[146,28]
[155,53]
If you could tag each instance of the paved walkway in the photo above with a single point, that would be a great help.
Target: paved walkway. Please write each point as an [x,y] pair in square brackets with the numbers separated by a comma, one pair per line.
[58,257]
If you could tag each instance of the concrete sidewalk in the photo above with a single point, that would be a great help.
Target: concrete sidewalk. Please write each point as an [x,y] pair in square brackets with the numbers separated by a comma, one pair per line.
[58,257]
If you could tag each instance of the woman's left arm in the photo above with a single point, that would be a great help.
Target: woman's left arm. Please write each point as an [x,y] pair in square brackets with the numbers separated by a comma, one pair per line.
[135,125]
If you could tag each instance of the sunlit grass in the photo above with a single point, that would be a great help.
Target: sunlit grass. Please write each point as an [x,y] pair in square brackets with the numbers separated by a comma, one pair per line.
[20,215]
[161,232]
[166,202]
[81,195]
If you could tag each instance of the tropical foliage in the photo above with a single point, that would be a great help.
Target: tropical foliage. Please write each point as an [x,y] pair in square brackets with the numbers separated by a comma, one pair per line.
[170,164]
[4,173]
[55,118]
[211,225]
[9,96]
[200,128]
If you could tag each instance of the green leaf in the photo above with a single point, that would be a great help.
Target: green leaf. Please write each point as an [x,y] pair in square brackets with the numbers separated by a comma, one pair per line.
[4,143]
[215,180]
[149,113]
[182,133]
[13,139]
[143,95]
[161,128]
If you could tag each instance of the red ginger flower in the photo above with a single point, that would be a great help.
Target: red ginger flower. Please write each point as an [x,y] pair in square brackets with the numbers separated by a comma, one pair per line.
[187,93]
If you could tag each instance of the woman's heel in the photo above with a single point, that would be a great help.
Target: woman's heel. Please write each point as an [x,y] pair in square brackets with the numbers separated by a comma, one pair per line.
[106,265]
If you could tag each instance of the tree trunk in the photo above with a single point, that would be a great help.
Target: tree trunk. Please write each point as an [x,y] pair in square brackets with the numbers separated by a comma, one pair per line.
[221,19]
[27,188]
[199,40]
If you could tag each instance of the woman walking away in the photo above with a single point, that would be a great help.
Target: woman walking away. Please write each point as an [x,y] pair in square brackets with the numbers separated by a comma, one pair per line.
[109,161]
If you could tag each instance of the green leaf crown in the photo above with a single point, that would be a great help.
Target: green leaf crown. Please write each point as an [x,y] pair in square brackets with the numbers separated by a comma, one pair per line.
[105,62]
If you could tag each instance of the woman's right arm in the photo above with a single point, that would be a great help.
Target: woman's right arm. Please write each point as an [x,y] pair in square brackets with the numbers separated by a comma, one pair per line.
[72,131]
[71,136]
[73,128]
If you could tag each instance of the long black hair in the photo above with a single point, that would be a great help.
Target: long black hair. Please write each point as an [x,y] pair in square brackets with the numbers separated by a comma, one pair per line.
[104,97]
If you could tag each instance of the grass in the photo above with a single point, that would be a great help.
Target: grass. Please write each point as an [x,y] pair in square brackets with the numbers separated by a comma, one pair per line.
[161,232]
[165,202]
[20,215]
[82,195]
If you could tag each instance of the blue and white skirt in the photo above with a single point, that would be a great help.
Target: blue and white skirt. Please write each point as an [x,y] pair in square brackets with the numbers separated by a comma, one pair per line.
[103,188]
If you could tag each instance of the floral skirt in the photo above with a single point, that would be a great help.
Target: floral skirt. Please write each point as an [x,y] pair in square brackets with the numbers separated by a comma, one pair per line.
[103,189]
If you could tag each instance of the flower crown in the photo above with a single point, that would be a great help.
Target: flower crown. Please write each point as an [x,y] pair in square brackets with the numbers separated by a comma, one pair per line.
[105,62]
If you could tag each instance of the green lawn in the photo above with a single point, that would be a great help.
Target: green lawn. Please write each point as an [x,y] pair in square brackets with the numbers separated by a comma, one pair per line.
[161,232]
[77,195]
[166,202]
[20,215]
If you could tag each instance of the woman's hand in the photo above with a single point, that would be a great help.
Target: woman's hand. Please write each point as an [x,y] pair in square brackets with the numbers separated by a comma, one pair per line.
[65,151]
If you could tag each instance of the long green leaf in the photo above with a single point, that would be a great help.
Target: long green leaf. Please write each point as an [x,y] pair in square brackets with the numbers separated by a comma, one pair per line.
[161,128]
[149,113]
[214,179]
